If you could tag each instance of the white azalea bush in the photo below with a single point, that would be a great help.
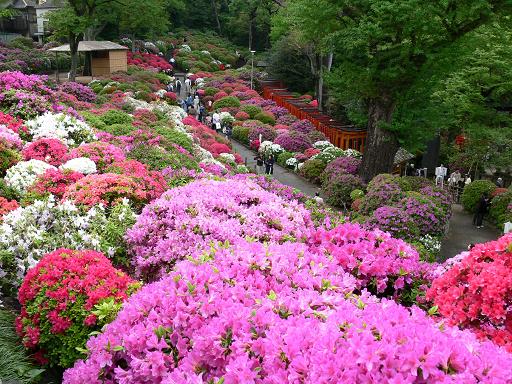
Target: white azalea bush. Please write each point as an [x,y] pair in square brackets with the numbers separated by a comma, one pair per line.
[292,162]
[321,145]
[268,148]
[81,165]
[226,118]
[66,128]
[227,157]
[27,234]
[352,153]
[22,175]
[329,154]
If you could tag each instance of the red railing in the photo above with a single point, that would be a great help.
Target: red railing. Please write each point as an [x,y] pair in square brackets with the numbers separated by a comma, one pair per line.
[340,134]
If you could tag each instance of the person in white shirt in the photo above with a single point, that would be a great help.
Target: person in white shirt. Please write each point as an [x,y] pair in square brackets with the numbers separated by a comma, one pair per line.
[188,86]
[216,121]
[318,199]
[196,103]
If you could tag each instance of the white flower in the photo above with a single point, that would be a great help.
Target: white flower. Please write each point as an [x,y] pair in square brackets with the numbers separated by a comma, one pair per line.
[292,162]
[67,129]
[225,117]
[185,48]
[161,93]
[228,157]
[353,153]
[82,165]
[212,161]
[321,145]
[22,175]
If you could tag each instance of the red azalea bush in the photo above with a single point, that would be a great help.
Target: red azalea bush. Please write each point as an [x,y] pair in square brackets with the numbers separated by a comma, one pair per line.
[498,191]
[103,154]
[55,182]
[242,116]
[148,61]
[7,206]
[109,189]
[476,293]
[13,123]
[219,95]
[51,151]
[61,299]
[217,148]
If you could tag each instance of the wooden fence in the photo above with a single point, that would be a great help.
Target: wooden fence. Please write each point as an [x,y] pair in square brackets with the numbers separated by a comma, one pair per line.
[340,134]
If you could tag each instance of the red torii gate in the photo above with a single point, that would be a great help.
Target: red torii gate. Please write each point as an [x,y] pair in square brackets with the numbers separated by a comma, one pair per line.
[342,135]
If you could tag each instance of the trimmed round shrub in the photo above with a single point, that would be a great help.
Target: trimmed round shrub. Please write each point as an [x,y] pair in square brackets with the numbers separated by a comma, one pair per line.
[343,165]
[293,141]
[395,221]
[429,217]
[473,192]
[120,129]
[176,137]
[51,151]
[68,295]
[475,291]
[266,118]
[500,211]
[283,157]
[157,158]
[266,131]
[252,110]
[54,182]
[114,116]
[242,116]
[312,170]
[316,135]
[338,188]
[188,218]
[226,102]
[211,91]
[241,134]
[302,126]
[103,154]
[8,158]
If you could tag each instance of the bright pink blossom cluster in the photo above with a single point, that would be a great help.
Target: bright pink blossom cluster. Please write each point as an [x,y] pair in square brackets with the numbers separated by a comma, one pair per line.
[7,206]
[476,292]
[57,299]
[55,182]
[277,314]
[103,154]
[51,151]
[148,61]
[189,218]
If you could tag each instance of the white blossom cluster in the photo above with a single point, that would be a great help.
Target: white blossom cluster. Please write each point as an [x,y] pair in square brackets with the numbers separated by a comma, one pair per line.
[185,48]
[22,175]
[225,117]
[329,154]
[228,157]
[269,148]
[321,145]
[67,129]
[292,162]
[431,243]
[27,234]
[82,165]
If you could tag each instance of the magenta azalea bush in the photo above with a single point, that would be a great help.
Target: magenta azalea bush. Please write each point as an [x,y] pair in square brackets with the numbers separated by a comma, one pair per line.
[343,165]
[293,141]
[189,218]
[277,314]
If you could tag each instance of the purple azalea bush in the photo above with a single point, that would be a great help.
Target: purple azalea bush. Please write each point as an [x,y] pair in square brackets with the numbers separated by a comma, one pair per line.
[293,141]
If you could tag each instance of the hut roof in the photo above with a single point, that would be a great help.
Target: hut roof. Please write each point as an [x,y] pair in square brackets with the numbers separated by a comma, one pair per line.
[89,46]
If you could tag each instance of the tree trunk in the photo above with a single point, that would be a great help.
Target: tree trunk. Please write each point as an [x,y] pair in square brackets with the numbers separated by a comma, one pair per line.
[381,144]
[73,47]
[216,13]
[320,90]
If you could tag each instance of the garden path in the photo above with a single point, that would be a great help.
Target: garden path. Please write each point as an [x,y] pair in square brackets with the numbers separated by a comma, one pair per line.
[462,233]
[284,176]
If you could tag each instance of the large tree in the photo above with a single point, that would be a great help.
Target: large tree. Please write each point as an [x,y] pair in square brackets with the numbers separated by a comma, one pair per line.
[381,47]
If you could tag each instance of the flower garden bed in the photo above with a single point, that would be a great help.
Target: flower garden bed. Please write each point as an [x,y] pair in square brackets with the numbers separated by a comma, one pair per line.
[142,251]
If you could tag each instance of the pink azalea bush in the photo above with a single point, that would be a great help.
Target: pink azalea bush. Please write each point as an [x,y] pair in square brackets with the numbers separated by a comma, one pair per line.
[101,153]
[55,182]
[51,151]
[189,218]
[476,291]
[277,314]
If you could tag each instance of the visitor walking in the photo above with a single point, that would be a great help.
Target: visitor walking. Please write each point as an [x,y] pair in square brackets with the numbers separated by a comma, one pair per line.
[259,164]
[318,199]
[196,103]
[192,111]
[170,87]
[499,182]
[183,104]
[269,165]
[202,111]
[208,121]
[178,86]
[216,121]
[481,210]
[188,86]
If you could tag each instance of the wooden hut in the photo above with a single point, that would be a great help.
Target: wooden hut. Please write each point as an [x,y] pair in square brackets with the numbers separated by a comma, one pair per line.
[106,57]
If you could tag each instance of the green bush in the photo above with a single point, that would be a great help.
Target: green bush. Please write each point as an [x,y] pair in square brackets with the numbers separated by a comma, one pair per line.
[356,194]
[312,169]
[119,129]
[337,189]
[8,192]
[114,116]
[158,158]
[283,157]
[473,192]
[241,134]
[499,212]
[176,137]
[22,43]
[265,118]
[226,102]
[211,91]
[15,365]
[94,120]
[8,158]
[252,110]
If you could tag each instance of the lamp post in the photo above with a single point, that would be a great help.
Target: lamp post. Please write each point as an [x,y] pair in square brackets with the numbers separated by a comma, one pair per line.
[252,68]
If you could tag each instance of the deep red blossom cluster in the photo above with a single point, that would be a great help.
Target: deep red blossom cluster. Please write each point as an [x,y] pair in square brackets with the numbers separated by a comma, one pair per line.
[51,151]
[58,297]
[148,61]
[55,182]
[476,293]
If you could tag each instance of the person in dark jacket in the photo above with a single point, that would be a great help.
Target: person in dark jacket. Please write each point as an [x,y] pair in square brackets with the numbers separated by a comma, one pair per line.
[481,210]
[269,165]
[259,164]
